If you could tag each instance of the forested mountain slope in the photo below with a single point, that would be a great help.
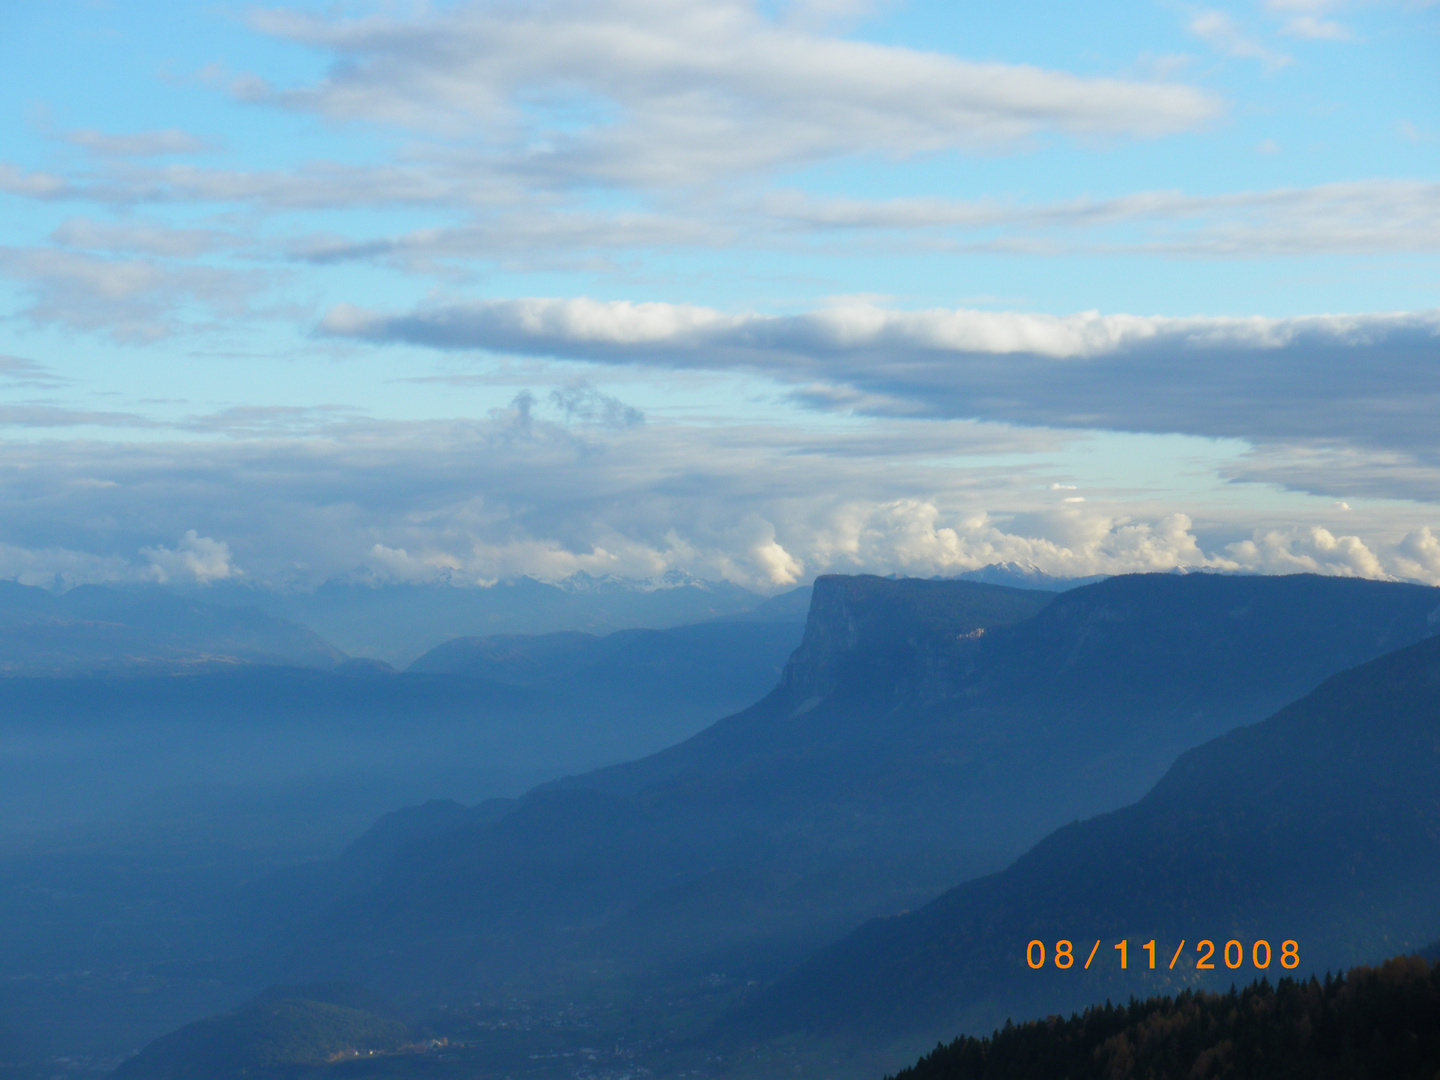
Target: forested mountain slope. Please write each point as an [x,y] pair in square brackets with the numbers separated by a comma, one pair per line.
[1319,826]
[923,732]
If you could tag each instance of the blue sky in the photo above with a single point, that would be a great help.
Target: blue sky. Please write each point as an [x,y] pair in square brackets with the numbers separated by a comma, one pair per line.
[752,291]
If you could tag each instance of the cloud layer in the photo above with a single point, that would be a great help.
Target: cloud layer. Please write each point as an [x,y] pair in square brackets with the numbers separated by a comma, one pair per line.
[663,91]
[751,159]
[1369,378]
[576,481]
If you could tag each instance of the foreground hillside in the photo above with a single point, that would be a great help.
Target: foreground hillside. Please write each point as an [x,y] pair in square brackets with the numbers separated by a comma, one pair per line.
[1319,826]
[1370,1024]
[285,1030]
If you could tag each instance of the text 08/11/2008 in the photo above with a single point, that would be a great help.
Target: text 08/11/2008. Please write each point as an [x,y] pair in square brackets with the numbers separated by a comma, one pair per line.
[1233,954]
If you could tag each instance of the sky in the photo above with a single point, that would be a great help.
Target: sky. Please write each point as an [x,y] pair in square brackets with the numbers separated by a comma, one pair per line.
[745,291]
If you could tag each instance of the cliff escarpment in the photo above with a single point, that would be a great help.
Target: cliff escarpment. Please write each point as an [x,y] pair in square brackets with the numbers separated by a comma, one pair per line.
[896,639]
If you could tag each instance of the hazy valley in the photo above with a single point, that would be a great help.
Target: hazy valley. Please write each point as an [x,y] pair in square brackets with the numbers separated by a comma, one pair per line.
[844,813]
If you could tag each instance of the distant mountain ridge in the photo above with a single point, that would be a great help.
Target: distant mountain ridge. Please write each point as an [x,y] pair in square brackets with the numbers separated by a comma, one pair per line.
[399,622]
[1026,576]
[93,629]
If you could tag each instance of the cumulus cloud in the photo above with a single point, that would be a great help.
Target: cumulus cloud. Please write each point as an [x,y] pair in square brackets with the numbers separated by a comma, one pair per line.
[197,558]
[1364,377]
[1312,550]
[1067,541]
[472,500]
[679,91]
[523,492]
[1417,556]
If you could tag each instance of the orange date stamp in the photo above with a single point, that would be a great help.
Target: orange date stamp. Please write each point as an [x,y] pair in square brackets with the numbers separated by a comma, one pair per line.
[1233,954]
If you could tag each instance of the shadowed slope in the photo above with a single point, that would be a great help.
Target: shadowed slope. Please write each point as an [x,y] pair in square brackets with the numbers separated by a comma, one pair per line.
[1371,1024]
[1320,825]
[283,1031]
[922,733]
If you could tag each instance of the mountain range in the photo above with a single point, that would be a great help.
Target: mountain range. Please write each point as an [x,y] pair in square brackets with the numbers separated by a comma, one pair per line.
[924,739]
[1319,826]
[154,758]
[94,629]
[923,733]
[399,622]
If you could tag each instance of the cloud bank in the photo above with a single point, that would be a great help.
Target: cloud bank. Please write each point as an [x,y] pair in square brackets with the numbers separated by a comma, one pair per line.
[540,489]
[1369,378]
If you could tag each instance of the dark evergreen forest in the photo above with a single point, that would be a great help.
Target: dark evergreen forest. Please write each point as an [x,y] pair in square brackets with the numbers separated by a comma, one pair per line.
[1379,1023]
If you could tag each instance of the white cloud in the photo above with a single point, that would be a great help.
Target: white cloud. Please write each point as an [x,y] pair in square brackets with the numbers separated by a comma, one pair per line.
[510,224]
[138,238]
[1418,556]
[1303,7]
[18,371]
[664,92]
[398,565]
[33,185]
[1412,132]
[913,536]
[778,565]
[1307,550]
[1355,217]
[1304,19]
[58,567]
[57,416]
[1313,29]
[521,492]
[1219,30]
[1400,467]
[629,330]
[134,301]
[137,144]
[1369,378]
[197,558]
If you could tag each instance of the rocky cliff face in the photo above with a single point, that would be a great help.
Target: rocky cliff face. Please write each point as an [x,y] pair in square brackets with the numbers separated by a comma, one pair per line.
[897,639]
